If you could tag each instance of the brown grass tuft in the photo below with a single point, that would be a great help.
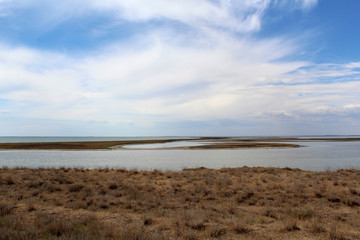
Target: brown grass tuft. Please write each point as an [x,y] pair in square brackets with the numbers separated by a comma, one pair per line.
[5,208]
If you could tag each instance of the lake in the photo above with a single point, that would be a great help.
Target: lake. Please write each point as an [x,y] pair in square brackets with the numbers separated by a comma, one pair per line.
[315,156]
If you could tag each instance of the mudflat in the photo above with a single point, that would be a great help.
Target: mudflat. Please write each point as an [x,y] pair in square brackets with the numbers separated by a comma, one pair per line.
[210,143]
[216,143]
[78,145]
[229,203]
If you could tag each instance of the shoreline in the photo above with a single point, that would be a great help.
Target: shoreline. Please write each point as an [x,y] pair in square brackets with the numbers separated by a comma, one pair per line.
[199,203]
[216,143]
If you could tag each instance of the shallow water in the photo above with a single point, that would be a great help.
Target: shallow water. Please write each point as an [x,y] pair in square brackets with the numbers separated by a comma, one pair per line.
[165,145]
[315,156]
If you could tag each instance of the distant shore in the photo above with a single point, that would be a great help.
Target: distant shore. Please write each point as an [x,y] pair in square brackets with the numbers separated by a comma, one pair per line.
[222,143]
[229,203]
[216,143]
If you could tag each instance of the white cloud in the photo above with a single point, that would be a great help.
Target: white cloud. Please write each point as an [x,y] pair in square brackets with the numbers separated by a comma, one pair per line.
[352,65]
[304,5]
[239,16]
[163,79]
[307,4]
[155,77]
[227,79]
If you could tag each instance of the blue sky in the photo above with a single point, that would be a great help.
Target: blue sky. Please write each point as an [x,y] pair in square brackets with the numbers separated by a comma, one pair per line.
[179,67]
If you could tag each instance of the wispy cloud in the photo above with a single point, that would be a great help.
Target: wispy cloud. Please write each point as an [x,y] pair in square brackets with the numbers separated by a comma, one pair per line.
[240,16]
[214,72]
[304,5]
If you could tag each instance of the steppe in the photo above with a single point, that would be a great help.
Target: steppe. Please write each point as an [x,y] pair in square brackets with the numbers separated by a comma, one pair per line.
[229,203]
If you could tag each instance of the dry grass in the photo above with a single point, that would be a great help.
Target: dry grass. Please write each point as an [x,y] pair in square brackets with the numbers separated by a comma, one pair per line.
[236,203]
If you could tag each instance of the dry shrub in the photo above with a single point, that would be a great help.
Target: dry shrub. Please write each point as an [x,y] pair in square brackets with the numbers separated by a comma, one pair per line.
[303,213]
[318,194]
[271,214]
[136,232]
[240,227]
[113,186]
[290,225]
[50,187]
[31,208]
[336,234]
[351,201]
[354,191]
[245,196]
[190,234]
[77,204]
[148,220]
[9,180]
[216,231]
[85,227]
[132,192]
[102,191]
[315,227]
[12,227]
[223,181]
[5,208]
[196,223]
[195,219]
[75,187]
[34,184]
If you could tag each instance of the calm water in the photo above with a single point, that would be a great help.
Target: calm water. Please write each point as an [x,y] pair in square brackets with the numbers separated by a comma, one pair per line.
[166,145]
[315,156]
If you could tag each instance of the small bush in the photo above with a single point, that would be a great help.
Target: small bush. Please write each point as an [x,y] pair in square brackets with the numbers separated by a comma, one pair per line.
[316,228]
[303,214]
[75,187]
[354,191]
[9,180]
[50,187]
[148,220]
[135,232]
[189,234]
[31,208]
[113,186]
[5,209]
[291,226]
[216,231]
[241,228]
[335,234]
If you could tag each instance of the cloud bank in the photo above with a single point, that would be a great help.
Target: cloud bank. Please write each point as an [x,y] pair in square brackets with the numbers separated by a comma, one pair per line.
[185,66]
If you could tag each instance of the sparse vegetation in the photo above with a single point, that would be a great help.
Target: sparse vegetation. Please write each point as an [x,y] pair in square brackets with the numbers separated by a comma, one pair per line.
[236,203]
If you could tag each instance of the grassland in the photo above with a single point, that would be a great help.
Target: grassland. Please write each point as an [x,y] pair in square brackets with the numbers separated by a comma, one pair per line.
[236,203]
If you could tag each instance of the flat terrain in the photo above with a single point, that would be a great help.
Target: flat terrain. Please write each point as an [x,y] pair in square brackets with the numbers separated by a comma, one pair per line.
[211,143]
[236,203]
[217,143]
[78,145]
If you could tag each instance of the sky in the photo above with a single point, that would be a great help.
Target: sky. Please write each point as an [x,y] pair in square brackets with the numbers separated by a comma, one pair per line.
[179,67]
